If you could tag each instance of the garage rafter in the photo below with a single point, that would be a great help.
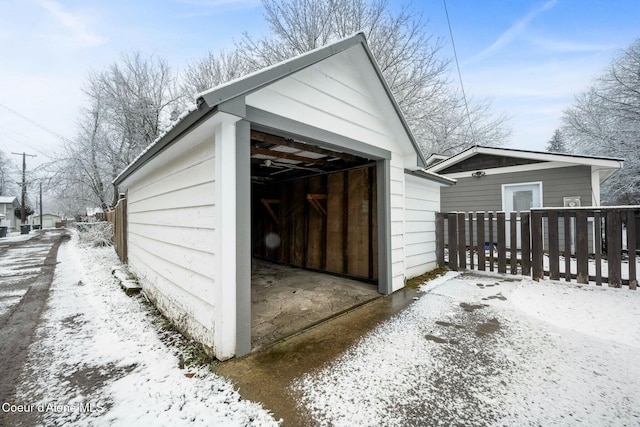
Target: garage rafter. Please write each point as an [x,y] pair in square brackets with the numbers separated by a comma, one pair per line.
[275,158]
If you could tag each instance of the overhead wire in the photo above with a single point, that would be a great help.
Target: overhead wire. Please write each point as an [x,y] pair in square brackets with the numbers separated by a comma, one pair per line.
[455,55]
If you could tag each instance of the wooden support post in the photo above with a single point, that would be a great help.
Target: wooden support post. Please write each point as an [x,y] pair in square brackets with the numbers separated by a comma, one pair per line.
[597,246]
[582,247]
[513,234]
[452,224]
[471,245]
[440,239]
[502,244]
[491,241]
[480,241]
[631,248]
[614,247]
[462,245]
[554,246]
[537,272]
[567,246]
[525,243]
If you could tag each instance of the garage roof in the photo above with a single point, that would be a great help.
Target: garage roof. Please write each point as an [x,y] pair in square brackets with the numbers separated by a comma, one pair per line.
[209,101]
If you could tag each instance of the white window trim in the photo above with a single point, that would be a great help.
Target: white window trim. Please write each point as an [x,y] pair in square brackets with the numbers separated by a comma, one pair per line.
[513,184]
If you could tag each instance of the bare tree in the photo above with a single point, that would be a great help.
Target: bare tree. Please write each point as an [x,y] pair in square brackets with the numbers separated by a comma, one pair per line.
[211,71]
[130,103]
[605,120]
[407,53]
[7,168]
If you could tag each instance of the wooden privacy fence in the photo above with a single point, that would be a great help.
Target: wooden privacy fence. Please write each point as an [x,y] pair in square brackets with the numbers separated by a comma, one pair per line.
[118,219]
[585,244]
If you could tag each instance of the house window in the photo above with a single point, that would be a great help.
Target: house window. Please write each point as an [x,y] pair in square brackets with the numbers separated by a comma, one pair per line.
[521,197]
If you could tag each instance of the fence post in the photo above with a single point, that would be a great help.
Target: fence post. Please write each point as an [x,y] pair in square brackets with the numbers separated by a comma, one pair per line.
[440,239]
[462,242]
[502,243]
[597,246]
[480,238]
[554,246]
[536,246]
[567,246]
[452,225]
[513,234]
[525,243]
[582,247]
[614,247]
[631,248]
[471,245]
[491,259]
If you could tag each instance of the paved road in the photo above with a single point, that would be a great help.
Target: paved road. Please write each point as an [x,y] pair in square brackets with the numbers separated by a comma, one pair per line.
[26,271]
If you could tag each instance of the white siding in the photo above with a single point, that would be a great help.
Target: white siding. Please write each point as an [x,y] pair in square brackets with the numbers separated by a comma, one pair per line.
[338,95]
[421,204]
[171,216]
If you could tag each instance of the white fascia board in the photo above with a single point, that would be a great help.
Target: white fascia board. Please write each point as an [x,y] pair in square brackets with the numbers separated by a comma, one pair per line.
[510,169]
[613,163]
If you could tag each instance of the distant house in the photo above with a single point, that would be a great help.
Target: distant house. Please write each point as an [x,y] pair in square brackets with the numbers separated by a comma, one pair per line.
[48,220]
[501,179]
[8,218]
[308,163]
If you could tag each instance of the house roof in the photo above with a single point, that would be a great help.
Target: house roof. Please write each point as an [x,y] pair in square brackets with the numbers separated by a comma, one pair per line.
[8,199]
[208,102]
[606,165]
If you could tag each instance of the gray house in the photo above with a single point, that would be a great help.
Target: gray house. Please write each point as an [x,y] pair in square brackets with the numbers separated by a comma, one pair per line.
[501,179]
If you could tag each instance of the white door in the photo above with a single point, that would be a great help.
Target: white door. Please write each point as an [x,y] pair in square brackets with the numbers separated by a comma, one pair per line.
[520,198]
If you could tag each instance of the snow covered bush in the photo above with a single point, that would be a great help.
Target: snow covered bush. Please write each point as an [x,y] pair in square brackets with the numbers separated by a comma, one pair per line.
[95,233]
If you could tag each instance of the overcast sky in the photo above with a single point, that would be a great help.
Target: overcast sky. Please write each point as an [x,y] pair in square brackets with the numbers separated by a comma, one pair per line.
[529,57]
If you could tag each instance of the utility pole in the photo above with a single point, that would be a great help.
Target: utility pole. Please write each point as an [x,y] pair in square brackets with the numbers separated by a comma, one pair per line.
[24,184]
[41,226]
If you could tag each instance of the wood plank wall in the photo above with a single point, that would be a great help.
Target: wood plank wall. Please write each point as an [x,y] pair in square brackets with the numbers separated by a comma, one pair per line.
[339,237]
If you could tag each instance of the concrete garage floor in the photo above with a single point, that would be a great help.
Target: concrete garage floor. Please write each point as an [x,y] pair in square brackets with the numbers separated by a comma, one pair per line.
[286,300]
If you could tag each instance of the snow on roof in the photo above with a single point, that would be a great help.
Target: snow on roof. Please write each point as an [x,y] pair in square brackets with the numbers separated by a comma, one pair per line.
[7,199]
[190,108]
[265,76]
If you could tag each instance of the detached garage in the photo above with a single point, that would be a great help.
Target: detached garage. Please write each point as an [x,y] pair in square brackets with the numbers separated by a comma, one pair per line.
[304,166]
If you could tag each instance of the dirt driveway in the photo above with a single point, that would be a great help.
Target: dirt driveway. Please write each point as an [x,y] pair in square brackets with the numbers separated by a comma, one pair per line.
[27,264]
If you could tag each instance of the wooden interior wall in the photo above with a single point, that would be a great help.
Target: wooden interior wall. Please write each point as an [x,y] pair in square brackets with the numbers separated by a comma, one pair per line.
[335,232]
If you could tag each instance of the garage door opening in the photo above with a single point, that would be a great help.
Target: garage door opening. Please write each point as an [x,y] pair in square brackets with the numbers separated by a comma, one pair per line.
[314,234]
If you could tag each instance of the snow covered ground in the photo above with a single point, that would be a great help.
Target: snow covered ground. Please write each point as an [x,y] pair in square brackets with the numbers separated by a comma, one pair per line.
[98,360]
[473,350]
[479,351]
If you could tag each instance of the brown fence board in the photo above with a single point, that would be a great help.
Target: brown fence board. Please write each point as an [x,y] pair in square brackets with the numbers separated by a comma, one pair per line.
[491,242]
[631,248]
[440,239]
[567,247]
[597,246]
[582,247]
[554,246]
[502,244]
[537,272]
[513,234]
[452,222]
[462,246]
[614,248]
[525,243]
[480,239]
[471,245]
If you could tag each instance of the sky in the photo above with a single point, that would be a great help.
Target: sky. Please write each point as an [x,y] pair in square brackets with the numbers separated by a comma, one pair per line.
[529,58]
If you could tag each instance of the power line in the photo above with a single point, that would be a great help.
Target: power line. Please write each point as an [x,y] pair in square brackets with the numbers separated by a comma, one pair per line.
[455,55]
[36,124]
